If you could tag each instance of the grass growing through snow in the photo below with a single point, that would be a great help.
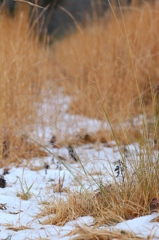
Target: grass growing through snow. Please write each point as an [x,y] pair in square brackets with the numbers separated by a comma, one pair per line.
[97,69]
[114,65]
[121,200]
[25,190]
[86,233]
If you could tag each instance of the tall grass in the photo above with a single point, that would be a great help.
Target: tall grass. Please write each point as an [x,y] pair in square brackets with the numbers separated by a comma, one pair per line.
[111,67]
[24,71]
[121,200]
[95,66]
[111,63]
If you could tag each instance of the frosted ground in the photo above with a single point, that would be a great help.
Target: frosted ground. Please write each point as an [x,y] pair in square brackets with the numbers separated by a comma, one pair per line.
[18,217]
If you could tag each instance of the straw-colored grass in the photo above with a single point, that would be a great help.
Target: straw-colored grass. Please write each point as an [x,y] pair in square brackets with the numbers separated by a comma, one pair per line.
[113,203]
[111,66]
[24,71]
[88,233]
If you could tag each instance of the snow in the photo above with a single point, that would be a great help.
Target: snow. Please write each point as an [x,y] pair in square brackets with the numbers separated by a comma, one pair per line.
[141,226]
[54,119]
[19,212]
[95,158]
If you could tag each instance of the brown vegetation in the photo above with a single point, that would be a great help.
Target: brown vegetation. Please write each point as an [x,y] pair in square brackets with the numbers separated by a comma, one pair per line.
[24,69]
[112,203]
[110,70]
[111,67]
[89,233]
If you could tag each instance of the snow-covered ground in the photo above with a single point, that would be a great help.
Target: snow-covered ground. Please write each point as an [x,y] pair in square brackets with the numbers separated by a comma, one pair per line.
[18,217]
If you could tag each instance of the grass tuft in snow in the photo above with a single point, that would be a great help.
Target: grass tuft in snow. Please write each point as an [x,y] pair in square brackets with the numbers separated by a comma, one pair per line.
[89,233]
[128,196]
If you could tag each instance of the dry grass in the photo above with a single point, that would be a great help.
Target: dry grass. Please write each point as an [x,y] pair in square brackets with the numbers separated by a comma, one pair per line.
[108,68]
[24,71]
[16,228]
[63,210]
[112,66]
[112,203]
[124,135]
[87,233]
[99,67]
[15,147]
[107,208]
[24,196]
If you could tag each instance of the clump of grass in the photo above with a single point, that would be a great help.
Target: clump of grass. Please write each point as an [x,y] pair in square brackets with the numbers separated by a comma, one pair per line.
[122,200]
[25,194]
[68,210]
[124,135]
[17,146]
[89,233]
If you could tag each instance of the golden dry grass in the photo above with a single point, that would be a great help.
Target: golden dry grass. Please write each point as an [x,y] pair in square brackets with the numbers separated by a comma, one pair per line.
[16,228]
[103,67]
[125,136]
[109,67]
[112,203]
[24,71]
[88,233]
[112,66]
